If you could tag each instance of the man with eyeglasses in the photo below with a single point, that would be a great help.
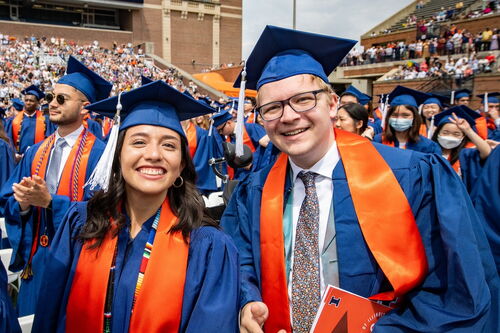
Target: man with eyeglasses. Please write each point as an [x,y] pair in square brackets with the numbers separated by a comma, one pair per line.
[334,208]
[51,175]
[29,126]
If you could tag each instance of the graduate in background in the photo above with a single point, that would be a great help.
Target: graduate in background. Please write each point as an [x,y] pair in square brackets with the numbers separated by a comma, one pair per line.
[331,211]
[430,107]
[30,126]
[486,198]
[143,256]
[461,145]
[353,117]
[50,176]
[8,316]
[7,159]
[491,113]
[353,95]
[402,124]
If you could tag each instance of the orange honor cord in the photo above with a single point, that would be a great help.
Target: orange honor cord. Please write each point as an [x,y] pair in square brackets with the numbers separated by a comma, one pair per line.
[192,139]
[40,127]
[423,130]
[16,129]
[385,219]
[272,248]
[165,275]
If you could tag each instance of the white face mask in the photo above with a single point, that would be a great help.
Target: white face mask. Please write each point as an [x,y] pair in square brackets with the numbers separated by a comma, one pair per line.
[449,142]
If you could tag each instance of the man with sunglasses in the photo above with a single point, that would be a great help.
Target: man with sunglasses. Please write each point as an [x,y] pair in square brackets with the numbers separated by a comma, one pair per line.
[50,176]
[254,137]
[335,209]
[29,126]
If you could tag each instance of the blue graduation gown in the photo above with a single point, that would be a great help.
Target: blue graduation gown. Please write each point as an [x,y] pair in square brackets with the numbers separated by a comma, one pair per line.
[423,145]
[461,281]
[8,317]
[494,135]
[376,124]
[211,291]
[95,128]
[486,198]
[7,163]
[470,167]
[28,131]
[206,178]
[21,233]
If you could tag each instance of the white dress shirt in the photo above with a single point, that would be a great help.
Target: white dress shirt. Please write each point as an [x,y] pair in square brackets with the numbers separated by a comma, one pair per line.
[70,142]
[324,188]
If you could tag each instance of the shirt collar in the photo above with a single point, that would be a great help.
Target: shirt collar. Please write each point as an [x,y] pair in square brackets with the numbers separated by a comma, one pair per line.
[71,137]
[323,167]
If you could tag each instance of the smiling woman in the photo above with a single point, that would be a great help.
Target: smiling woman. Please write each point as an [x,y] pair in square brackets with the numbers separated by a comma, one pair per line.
[115,259]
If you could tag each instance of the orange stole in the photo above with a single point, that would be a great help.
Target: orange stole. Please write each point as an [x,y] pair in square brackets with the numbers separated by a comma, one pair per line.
[390,144]
[39,128]
[482,127]
[191,138]
[404,264]
[423,130]
[85,310]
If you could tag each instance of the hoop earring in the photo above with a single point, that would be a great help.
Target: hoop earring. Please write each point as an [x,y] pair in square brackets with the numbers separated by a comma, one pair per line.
[178,185]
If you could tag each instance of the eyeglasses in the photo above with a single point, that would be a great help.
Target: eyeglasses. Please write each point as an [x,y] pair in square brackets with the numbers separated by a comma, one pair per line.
[299,103]
[60,99]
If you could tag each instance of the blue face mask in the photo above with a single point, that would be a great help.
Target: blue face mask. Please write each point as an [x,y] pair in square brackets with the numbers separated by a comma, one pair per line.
[400,124]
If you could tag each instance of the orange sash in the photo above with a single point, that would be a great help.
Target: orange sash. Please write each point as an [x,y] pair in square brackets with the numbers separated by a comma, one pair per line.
[191,138]
[403,263]
[159,303]
[482,127]
[423,130]
[39,128]
[391,144]
[107,123]
[378,113]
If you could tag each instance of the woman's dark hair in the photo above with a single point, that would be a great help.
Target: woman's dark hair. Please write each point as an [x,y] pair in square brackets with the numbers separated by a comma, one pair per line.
[185,201]
[358,113]
[413,132]
[455,152]
[3,135]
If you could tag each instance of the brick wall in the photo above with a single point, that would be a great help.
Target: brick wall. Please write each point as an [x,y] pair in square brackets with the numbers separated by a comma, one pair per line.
[406,35]
[230,40]
[147,27]
[79,35]
[191,40]
[367,71]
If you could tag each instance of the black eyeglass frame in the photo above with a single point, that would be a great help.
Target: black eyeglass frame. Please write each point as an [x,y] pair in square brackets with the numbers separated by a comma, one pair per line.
[287,102]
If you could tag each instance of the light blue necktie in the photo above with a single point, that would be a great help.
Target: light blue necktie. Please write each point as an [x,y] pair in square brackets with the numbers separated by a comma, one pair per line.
[306,288]
[52,176]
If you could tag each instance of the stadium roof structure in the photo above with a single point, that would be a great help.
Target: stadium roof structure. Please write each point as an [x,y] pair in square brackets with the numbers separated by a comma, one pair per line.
[117,4]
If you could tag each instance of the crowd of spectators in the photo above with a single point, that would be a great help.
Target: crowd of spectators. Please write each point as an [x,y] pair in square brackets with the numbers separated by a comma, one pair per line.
[41,61]
[458,69]
[451,41]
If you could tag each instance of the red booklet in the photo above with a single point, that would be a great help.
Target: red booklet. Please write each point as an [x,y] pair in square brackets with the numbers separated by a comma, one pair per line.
[341,311]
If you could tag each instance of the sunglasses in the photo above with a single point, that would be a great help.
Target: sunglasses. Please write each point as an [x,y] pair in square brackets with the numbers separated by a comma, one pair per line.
[60,99]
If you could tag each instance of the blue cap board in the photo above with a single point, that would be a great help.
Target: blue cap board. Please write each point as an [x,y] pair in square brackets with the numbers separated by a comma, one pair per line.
[145,80]
[462,93]
[406,96]
[436,99]
[33,90]
[17,104]
[281,53]
[492,97]
[155,103]
[221,117]
[363,98]
[94,87]
[461,111]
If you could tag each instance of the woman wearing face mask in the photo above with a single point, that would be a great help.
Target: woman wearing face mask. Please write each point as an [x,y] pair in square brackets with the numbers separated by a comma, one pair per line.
[461,145]
[142,256]
[353,117]
[402,123]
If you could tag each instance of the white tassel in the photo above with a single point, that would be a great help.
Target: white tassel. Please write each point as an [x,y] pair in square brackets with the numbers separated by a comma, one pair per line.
[486,109]
[240,119]
[420,108]
[210,129]
[384,109]
[430,132]
[101,175]
[452,99]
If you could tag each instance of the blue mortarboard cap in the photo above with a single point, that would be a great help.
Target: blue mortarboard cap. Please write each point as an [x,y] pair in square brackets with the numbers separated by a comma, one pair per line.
[33,90]
[155,103]
[461,111]
[281,53]
[406,96]
[363,98]
[221,117]
[145,80]
[492,97]
[462,93]
[94,87]
[436,99]
[17,104]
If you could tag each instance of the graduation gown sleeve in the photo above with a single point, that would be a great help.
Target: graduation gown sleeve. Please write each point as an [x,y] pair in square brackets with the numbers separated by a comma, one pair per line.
[211,293]
[8,317]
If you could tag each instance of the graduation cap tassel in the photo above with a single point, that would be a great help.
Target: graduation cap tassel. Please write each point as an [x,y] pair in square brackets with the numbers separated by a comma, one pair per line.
[420,108]
[430,132]
[210,129]
[240,118]
[452,98]
[101,175]
[486,109]
[384,109]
